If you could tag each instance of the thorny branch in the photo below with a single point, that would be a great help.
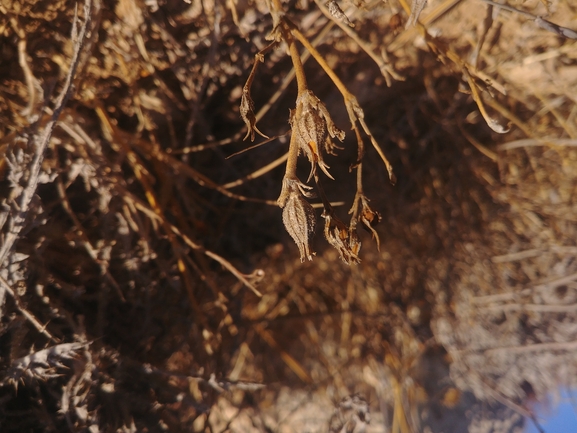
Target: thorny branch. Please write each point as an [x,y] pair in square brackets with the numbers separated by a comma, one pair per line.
[37,144]
[39,327]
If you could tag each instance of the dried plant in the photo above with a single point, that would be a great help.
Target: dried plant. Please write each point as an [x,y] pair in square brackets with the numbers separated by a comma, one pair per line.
[312,131]
[25,184]
[345,241]
[312,125]
[336,11]
[120,225]
[42,365]
[298,215]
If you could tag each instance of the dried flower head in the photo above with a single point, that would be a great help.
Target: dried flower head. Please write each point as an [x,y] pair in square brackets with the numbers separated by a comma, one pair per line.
[343,238]
[298,215]
[313,128]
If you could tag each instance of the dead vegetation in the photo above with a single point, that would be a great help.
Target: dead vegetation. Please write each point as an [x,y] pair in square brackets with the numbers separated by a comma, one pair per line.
[146,280]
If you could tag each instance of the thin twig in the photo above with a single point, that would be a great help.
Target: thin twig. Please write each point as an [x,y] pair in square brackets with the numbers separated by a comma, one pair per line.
[386,69]
[263,170]
[540,21]
[353,108]
[39,327]
[436,12]
[539,308]
[137,203]
[92,252]
[569,345]
[31,81]
[492,123]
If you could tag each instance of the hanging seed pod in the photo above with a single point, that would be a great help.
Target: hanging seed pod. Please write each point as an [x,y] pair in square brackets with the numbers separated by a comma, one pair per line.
[312,125]
[343,239]
[298,215]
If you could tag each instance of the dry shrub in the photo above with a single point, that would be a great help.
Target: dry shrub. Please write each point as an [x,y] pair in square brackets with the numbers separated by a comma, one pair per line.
[131,286]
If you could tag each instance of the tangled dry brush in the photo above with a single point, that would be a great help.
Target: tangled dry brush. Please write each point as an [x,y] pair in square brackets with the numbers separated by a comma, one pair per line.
[147,282]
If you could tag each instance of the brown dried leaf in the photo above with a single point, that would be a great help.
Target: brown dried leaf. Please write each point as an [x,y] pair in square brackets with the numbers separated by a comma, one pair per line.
[247,114]
[370,218]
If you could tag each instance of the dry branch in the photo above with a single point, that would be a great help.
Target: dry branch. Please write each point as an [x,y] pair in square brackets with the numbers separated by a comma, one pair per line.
[38,143]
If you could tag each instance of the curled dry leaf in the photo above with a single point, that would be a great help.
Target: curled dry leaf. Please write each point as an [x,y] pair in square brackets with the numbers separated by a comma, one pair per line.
[342,238]
[298,215]
[313,128]
[247,114]
[370,219]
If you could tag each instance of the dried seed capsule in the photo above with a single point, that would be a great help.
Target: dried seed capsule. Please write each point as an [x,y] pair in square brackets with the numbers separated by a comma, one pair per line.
[342,238]
[370,219]
[312,126]
[298,215]
[336,11]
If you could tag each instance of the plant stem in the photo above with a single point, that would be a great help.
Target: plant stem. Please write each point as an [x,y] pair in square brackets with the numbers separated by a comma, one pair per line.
[293,153]
[296,60]
[322,62]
